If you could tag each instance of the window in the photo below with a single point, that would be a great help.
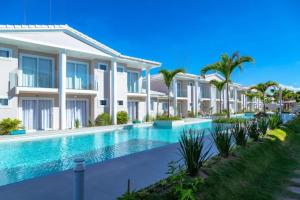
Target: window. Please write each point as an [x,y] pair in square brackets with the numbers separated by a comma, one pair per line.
[152,104]
[120,102]
[3,102]
[165,106]
[120,68]
[103,102]
[102,66]
[37,71]
[5,53]
[132,82]
[77,75]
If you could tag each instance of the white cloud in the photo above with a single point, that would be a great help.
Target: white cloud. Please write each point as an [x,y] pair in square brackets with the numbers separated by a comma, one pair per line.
[290,87]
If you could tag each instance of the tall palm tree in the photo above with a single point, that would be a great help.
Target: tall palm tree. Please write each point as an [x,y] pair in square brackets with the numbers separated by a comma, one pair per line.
[251,96]
[168,78]
[262,88]
[219,86]
[226,67]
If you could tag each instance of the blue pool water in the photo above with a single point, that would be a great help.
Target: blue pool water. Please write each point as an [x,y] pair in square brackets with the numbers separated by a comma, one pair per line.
[28,159]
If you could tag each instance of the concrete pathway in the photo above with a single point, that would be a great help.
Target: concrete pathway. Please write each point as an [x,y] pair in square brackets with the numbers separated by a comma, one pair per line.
[105,181]
[294,187]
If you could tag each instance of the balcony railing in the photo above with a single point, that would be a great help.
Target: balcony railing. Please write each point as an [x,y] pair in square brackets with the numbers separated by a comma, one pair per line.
[18,79]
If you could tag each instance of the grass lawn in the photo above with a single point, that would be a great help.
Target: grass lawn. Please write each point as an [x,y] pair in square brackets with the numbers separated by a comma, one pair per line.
[261,171]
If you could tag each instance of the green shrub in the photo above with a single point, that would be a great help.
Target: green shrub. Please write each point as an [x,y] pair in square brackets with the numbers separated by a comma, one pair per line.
[7,125]
[263,124]
[192,150]
[253,131]
[103,119]
[122,117]
[274,121]
[165,117]
[230,120]
[239,132]
[222,139]
[77,123]
[191,114]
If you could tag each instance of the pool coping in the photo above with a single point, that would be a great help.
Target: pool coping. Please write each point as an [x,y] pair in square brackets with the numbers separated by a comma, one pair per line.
[40,135]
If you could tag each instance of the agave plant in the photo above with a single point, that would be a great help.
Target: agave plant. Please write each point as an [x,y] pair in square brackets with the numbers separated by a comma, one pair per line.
[275,121]
[253,131]
[263,124]
[222,139]
[193,151]
[239,132]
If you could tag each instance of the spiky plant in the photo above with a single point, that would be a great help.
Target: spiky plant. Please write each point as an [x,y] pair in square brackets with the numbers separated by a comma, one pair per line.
[222,139]
[253,131]
[193,151]
[263,124]
[168,78]
[226,66]
[239,132]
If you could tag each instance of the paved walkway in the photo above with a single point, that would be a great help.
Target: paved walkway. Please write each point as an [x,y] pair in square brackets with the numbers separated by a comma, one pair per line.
[294,187]
[105,181]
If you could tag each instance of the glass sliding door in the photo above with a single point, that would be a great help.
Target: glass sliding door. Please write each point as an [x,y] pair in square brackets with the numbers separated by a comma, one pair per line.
[77,76]
[37,114]
[76,110]
[37,72]
[133,110]
[132,82]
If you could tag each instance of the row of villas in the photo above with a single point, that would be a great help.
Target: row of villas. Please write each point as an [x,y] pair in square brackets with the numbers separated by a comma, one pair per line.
[54,75]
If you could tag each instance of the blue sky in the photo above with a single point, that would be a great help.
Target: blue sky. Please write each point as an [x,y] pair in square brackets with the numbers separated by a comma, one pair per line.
[183,33]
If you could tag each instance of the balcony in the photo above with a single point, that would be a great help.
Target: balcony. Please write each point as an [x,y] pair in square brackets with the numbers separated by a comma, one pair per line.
[47,84]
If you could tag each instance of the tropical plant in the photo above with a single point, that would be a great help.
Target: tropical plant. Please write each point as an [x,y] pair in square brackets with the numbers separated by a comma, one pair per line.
[168,79]
[263,124]
[219,86]
[192,150]
[166,117]
[274,121]
[122,117]
[230,120]
[262,88]
[239,132]
[103,119]
[222,139]
[77,123]
[8,124]
[253,131]
[226,66]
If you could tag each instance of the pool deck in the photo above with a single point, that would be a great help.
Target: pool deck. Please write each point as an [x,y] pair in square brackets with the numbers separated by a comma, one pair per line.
[82,131]
[106,180]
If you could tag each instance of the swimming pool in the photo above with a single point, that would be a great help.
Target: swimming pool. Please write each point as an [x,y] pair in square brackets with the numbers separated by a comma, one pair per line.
[28,159]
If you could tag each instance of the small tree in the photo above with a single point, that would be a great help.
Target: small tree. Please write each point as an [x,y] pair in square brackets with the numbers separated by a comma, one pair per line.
[226,66]
[7,125]
[122,117]
[262,89]
[168,78]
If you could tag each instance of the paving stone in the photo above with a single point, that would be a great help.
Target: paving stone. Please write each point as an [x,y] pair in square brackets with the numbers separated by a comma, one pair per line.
[294,189]
[295,180]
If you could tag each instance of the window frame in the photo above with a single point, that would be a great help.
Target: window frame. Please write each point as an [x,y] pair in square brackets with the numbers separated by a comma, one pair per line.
[99,68]
[75,62]
[99,103]
[118,102]
[9,53]
[8,103]
[37,57]
[120,66]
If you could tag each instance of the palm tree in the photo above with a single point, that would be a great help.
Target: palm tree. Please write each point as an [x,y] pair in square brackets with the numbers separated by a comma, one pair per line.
[251,96]
[168,78]
[226,67]
[262,88]
[219,86]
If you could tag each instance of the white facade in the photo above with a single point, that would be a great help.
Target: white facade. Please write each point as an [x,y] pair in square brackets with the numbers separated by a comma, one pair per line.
[194,95]
[55,76]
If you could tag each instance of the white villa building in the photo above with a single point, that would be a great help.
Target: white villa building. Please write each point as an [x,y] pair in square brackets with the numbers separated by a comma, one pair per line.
[54,75]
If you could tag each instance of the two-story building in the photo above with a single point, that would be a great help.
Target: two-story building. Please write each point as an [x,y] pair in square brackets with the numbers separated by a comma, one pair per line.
[52,76]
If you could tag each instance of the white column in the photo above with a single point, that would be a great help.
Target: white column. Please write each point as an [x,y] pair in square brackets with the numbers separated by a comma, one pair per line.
[114,91]
[213,99]
[62,88]
[148,88]
[235,100]
[196,98]
[174,85]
